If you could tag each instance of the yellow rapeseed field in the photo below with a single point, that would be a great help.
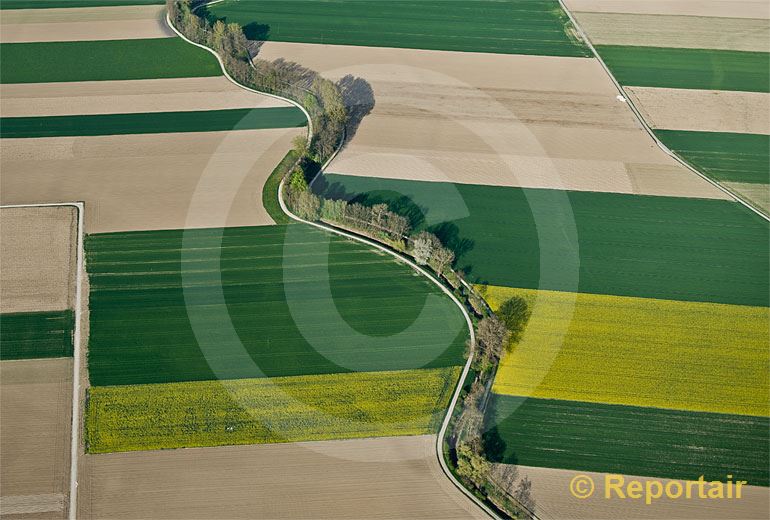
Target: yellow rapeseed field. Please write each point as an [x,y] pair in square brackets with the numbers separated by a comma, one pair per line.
[637,351]
[278,409]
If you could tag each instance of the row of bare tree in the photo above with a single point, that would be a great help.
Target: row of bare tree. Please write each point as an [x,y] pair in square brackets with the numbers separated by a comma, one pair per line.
[319,96]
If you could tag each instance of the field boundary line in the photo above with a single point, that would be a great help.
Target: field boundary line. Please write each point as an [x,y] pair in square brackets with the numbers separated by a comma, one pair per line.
[76,358]
[627,99]
[414,266]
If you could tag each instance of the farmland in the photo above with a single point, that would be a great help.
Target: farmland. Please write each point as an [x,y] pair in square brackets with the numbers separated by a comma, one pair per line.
[152,123]
[37,258]
[168,300]
[381,478]
[703,110]
[52,4]
[688,68]
[723,156]
[660,30]
[29,335]
[41,62]
[34,436]
[518,27]
[637,351]
[505,119]
[626,245]
[79,98]
[84,24]
[267,410]
[628,440]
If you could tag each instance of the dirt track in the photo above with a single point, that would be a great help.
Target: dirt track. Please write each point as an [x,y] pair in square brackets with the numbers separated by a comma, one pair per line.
[86,23]
[130,96]
[138,182]
[550,488]
[703,110]
[37,258]
[507,120]
[34,442]
[737,34]
[397,477]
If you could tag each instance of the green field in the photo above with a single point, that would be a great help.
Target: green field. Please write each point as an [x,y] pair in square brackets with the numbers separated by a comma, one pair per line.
[628,440]
[43,62]
[30,335]
[149,289]
[50,4]
[152,122]
[254,411]
[688,68]
[627,245]
[512,27]
[725,157]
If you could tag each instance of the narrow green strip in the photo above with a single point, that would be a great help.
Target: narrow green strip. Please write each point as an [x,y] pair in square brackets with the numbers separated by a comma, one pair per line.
[152,122]
[270,189]
[628,440]
[723,156]
[49,4]
[688,68]
[31,335]
[42,62]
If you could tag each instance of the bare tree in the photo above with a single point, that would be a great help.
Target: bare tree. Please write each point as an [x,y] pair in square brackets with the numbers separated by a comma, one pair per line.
[523,495]
[492,336]
[422,247]
[443,257]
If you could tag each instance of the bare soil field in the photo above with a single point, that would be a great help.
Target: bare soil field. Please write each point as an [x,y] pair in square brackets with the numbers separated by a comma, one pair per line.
[38,258]
[130,96]
[759,194]
[695,32]
[508,120]
[392,477]
[87,23]
[550,488]
[703,110]
[35,441]
[717,8]
[151,181]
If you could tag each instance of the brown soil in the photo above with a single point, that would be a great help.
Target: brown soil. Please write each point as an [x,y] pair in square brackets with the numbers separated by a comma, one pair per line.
[703,110]
[37,258]
[506,120]
[695,32]
[396,477]
[35,412]
[92,23]
[154,181]
[717,8]
[130,96]
[550,488]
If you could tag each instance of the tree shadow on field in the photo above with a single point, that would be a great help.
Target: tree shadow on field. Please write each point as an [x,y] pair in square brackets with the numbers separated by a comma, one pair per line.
[449,234]
[257,31]
[515,313]
[358,98]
